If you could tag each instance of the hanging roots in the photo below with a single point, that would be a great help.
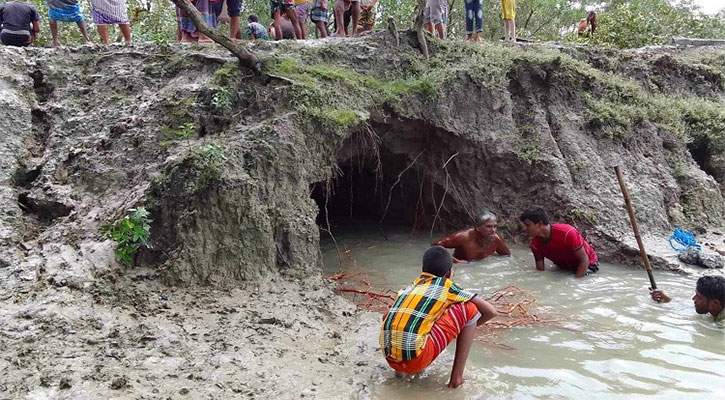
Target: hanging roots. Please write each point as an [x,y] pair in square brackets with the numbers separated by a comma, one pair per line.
[513,304]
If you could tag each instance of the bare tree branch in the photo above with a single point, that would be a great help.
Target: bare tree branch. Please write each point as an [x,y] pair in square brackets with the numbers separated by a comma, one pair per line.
[246,58]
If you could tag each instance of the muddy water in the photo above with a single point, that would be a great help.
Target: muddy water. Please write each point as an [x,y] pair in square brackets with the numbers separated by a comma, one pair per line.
[615,342]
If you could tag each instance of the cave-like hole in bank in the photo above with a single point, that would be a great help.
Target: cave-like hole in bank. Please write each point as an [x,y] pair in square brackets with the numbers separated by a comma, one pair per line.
[360,195]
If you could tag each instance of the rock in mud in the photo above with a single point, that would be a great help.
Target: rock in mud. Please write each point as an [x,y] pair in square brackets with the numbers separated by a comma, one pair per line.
[119,383]
[690,256]
[65,383]
[711,261]
[694,256]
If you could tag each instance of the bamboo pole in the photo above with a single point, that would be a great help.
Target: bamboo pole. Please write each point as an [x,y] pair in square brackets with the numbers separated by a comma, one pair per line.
[635,228]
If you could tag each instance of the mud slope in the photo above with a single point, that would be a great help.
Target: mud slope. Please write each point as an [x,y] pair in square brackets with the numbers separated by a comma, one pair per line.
[234,168]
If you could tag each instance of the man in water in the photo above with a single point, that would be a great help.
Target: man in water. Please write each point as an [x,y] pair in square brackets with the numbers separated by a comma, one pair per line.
[427,315]
[709,296]
[560,243]
[475,243]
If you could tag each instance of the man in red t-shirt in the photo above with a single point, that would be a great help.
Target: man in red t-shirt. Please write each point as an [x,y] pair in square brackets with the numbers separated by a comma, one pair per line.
[560,243]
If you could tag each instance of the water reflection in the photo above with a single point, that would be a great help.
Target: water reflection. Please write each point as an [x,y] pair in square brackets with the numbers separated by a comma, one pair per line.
[616,343]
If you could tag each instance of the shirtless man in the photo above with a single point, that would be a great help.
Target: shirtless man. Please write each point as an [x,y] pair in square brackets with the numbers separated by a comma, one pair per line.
[709,296]
[475,243]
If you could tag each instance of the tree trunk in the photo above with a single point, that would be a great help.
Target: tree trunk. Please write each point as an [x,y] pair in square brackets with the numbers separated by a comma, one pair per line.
[246,58]
[418,26]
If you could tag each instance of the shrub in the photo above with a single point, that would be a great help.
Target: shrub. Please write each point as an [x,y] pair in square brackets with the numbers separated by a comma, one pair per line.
[130,232]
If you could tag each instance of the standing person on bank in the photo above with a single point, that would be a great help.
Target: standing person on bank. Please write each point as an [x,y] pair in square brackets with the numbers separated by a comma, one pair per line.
[111,12]
[66,11]
[18,23]
[474,17]
[560,243]
[508,14]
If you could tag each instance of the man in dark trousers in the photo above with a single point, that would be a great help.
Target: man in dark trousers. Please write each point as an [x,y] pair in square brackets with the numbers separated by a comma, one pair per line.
[18,23]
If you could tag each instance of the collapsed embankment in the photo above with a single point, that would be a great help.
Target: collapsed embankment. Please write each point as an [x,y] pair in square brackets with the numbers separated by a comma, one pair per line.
[238,169]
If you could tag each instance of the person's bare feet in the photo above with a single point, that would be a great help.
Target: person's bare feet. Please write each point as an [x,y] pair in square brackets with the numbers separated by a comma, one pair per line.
[455,382]
[469,39]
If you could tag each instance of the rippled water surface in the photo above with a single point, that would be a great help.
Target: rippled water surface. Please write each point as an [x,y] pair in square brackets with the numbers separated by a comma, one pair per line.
[616,342]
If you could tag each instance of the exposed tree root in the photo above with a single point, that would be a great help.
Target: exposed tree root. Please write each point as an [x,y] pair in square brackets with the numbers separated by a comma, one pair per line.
[512,304]
[246,58]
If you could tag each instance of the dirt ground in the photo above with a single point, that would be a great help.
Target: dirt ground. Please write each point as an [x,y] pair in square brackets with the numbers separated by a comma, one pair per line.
[137,339]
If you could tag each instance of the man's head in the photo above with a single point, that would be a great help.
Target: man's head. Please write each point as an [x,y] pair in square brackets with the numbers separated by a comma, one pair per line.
[534,220]
[437,261]
[252,18]
[486,224]
[709,295]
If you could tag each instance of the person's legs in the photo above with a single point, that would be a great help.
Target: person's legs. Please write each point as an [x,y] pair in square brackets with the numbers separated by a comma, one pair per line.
[427,24]
[234,9]
[478,15]
[10,39]
[54,32]
[301,11]
[512,26]
[277,25]
[469,19]
[84,32]
[463,347]
[322,28]
[103,33]
[126,32]
[355,9]
[441,31]
[339,18]
[295,23]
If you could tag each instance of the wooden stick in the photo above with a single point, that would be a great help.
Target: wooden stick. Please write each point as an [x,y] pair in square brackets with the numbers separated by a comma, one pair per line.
[633,221]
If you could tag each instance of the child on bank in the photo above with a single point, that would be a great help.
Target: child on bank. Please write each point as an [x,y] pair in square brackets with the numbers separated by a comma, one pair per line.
[255,30]
[427,315]
[508,14]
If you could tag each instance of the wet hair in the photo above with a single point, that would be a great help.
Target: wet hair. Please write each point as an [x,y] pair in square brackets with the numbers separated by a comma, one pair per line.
[712,287]
[437,261]
[253,18]
[485,217]
[535,215]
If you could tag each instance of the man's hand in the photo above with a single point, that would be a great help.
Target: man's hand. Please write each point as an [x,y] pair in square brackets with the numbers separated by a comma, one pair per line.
[457,261]
[658,296]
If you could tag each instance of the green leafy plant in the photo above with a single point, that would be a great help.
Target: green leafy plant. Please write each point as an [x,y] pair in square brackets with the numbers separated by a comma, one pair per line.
[185,131]
[129,232]
[221,101]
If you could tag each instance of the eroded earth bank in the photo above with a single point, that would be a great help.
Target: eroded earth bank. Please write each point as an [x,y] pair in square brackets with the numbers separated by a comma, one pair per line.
[237,170]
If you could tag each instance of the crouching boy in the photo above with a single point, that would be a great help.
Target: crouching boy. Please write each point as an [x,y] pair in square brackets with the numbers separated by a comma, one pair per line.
[428,315]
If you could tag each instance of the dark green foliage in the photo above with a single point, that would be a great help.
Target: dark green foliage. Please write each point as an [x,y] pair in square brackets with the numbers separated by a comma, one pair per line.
[637,23]
[130,232]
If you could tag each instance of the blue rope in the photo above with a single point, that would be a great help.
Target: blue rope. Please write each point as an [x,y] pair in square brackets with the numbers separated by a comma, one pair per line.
[682,240]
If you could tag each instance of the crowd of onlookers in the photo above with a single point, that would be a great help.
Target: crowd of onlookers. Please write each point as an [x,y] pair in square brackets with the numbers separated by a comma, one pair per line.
[19,20]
